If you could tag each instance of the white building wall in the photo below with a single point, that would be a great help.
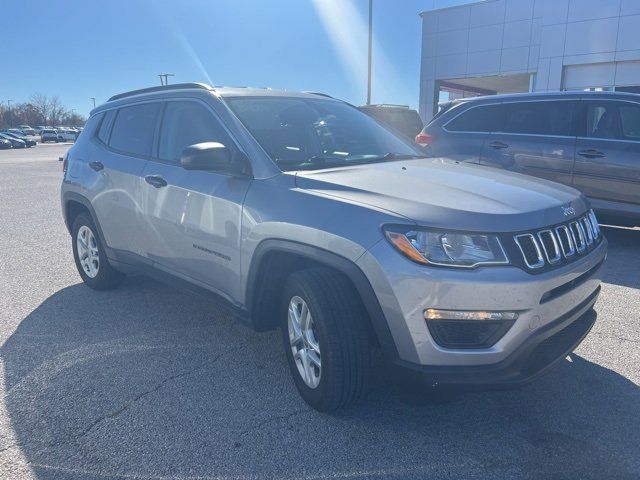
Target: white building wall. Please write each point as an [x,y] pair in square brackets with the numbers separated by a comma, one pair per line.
[564,43]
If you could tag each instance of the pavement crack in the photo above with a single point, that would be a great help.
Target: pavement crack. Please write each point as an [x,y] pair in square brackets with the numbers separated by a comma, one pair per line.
[130,403]
[273,419]
[617,337]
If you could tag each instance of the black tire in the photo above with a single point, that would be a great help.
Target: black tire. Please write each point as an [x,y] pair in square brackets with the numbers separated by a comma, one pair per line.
[341,331]
[107,277]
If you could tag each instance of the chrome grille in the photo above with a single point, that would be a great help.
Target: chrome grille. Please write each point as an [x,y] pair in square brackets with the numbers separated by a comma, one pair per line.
[566,241]
[563,242]
[530,250]
[577,234]
[550,246]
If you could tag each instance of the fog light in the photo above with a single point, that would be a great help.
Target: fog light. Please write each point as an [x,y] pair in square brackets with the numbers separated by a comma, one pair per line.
[435,314]
[468,329]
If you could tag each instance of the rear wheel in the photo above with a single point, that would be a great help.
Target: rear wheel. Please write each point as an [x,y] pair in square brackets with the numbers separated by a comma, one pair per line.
[89,255]
[325,338]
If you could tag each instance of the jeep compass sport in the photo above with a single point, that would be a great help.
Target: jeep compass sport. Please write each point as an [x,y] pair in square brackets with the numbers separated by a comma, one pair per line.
[303,213]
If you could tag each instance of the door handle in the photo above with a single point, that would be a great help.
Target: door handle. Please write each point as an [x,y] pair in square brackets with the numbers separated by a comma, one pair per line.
[97,166]
[498,145]
[156,181]
[591,153]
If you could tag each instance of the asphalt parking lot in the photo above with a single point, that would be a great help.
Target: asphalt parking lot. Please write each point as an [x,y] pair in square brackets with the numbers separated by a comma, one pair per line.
[149,382]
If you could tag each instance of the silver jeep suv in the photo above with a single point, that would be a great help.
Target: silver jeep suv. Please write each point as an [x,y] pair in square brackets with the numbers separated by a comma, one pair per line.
[301,212]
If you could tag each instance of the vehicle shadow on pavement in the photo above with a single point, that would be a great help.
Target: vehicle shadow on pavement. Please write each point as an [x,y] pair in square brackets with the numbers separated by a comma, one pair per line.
[623,261]
[146,382]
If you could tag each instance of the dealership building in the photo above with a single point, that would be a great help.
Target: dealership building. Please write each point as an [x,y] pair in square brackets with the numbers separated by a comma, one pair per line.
[506,46]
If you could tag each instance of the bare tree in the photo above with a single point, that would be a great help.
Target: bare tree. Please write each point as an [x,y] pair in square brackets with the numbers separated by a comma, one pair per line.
[42,104]
[57,110]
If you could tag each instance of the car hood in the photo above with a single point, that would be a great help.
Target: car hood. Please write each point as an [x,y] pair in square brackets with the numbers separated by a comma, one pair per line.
[443,193]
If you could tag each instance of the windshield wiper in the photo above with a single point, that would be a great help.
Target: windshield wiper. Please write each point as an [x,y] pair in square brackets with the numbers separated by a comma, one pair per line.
[400,156]
[326,156]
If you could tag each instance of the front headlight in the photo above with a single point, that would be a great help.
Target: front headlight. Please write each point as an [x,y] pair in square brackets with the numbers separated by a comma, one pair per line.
[451,249]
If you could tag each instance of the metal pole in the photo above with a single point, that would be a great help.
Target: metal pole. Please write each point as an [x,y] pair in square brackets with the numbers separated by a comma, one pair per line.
[10,113]
[370,47]
[161,82]
[94,101]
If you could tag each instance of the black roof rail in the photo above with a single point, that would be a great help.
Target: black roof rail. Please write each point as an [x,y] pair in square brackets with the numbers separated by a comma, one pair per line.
[387,105]
[318,93]
[177,86]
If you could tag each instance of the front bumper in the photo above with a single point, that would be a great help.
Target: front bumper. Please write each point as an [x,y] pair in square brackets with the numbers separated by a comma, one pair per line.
[405,289]
[536,355]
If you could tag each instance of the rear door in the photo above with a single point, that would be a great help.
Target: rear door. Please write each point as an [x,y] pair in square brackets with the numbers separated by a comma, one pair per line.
[464,133]
[535,138]
[126,138]
[608,151]
[193,218]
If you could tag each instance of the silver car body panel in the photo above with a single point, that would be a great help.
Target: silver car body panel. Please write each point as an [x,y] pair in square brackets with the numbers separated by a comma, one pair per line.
[206,227]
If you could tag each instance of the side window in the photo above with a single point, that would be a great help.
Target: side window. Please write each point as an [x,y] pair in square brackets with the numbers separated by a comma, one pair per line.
[105,126]
[91,125]
[603,120]
[187,123]
[630,118]
[477,119]
[538,118]
[133,129]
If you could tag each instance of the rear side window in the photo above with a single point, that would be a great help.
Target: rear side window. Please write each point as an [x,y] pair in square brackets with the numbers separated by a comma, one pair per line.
[188,123]
[133,129]
[92,124]
[630,119]
[483,119]
[105,127]
[538,118]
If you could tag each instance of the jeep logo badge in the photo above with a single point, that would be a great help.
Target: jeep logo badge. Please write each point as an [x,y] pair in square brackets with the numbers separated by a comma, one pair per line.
[568,211]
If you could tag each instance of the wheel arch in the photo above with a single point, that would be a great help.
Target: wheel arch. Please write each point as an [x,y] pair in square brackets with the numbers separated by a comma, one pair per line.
[274,260]
[74,204]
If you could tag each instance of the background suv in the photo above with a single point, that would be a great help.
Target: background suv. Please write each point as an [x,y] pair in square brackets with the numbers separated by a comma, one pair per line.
[589,140]
[301,212]
[400,118]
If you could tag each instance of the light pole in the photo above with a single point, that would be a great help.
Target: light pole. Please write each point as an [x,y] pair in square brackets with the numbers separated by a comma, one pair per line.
[10,113]
[94,101]
[370,48]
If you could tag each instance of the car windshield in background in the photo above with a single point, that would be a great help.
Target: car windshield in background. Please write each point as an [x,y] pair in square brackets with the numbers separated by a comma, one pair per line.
[306,134]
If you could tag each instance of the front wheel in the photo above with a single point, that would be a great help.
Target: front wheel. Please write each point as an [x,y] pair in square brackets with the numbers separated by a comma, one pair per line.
[91,261]
[326,339]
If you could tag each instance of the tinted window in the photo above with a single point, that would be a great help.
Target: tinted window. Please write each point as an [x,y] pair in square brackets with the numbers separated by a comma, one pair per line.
[538,118]
[188,123]
[133,129]
[603,120]
[476,119]
[630,118]
[105,126]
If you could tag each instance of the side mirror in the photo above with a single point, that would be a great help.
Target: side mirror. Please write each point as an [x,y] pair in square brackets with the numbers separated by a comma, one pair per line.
[208,156]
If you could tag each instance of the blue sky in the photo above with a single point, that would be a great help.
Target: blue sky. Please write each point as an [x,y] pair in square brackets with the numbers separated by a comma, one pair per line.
[78,49]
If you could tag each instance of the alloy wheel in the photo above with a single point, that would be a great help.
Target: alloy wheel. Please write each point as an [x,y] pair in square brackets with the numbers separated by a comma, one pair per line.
[88,251]
[304,345]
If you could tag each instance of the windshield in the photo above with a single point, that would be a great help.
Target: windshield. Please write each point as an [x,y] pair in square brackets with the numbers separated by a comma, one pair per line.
[300,133]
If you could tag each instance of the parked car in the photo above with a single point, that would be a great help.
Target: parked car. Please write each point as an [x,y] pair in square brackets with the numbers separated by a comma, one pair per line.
[589,140]
[28,142]
[27,130]
[5,144]
[399,117]
[301,212]
[67,135]
[39,129]
[49,135]
[15,142]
